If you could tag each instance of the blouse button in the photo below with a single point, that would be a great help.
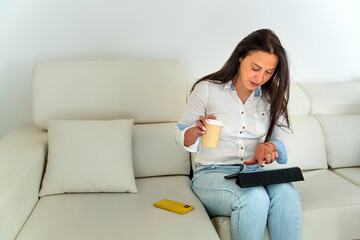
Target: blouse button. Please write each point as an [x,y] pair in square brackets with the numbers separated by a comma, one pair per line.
[242,148]
[243,127]
[263,114]
[242,112]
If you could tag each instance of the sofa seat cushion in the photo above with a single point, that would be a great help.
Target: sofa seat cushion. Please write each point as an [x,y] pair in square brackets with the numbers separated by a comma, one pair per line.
[330,207]
[121,215]
[350,174]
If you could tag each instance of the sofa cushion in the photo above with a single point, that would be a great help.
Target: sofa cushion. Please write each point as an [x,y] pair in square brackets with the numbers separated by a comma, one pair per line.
[89,156]
[333,98]
[121,215]
[155,152]
[325,189]
[299,103]
[351,174]
[148,91]
[330,208]
[341,133]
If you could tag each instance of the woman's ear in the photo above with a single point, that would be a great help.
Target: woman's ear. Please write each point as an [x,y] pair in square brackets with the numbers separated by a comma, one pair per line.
[240,59]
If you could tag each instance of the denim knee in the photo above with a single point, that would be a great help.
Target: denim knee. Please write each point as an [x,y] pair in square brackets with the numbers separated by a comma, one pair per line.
[284,192]
[255,198]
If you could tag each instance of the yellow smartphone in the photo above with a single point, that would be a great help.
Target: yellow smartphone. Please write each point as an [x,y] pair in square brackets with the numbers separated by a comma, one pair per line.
[173,206]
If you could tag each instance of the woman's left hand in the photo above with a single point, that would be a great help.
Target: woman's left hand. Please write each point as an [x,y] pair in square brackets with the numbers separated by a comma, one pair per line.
[263,154]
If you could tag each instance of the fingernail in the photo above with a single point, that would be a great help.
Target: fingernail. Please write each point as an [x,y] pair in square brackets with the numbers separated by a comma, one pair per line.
[204,128]
[206,121]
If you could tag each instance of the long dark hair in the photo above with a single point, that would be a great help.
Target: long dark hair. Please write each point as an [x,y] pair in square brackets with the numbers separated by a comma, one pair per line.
[276,90]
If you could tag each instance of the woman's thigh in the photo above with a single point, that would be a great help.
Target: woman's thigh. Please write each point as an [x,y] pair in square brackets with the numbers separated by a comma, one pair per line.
[284,194]
[221,196]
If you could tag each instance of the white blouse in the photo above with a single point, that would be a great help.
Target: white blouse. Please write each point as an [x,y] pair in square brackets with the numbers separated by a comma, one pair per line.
[245,125]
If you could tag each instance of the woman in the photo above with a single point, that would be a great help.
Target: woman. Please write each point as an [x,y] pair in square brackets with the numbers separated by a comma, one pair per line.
[249,94]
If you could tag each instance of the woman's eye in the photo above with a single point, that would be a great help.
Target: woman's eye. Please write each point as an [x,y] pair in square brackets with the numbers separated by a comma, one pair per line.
[255,69]
[269,73]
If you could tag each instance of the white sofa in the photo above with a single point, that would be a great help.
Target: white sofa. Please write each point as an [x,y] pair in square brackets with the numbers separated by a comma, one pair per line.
[153,93]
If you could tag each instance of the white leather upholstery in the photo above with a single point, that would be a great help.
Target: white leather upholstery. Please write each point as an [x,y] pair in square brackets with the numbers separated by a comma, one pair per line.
[299,103]
[342,141]
[21,168]
[155,152]
[143,90]
[323,189]
[351,174]
[327,199]
[332,202]
[121,216]
[333,98]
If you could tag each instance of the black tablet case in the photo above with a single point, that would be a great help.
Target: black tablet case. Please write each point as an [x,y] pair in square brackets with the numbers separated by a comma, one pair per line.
[251,179]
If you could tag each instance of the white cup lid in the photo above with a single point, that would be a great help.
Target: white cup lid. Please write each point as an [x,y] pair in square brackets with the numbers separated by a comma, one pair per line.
[215,122]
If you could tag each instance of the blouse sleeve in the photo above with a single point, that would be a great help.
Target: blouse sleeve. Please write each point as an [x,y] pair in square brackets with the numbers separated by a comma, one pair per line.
[195,107]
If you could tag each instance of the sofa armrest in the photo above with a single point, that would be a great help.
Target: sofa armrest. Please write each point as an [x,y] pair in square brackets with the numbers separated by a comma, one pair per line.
[22,161]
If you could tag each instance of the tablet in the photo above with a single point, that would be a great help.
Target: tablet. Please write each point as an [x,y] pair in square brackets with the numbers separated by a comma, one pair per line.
[266,177]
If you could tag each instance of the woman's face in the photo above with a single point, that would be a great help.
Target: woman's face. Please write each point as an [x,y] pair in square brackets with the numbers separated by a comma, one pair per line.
[256,69]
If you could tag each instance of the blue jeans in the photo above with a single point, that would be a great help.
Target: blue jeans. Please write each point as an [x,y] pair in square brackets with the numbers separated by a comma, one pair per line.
[251,208]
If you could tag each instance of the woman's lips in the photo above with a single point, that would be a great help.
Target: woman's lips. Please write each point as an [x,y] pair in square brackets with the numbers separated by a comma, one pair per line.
[254,84]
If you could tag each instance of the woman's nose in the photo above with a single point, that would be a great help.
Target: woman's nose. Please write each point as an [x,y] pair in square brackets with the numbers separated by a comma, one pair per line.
[261,76]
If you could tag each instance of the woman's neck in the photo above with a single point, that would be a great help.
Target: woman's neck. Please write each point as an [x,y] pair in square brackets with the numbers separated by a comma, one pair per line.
[241,91]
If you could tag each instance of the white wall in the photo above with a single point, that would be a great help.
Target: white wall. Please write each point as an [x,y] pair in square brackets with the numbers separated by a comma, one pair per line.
[322,37]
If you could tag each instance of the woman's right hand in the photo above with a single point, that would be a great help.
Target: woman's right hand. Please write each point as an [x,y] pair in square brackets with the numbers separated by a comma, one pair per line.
[193,133]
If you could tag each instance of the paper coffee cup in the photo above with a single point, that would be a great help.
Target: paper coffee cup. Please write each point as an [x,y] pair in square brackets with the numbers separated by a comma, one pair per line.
[212,134]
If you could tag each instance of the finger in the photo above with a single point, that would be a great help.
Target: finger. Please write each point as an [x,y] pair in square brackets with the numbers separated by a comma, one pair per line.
[273,156]
[276,155]
[200,125]
[202,119]
[250,162]
[212,117]
[201,132]
[197,131]
[261,162]
[268,159]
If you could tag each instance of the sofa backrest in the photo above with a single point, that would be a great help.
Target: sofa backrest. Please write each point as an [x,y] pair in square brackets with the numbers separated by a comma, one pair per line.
[152,92]
[341,133]
[148,91]
[155,152]
[333,98]
[336,106]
